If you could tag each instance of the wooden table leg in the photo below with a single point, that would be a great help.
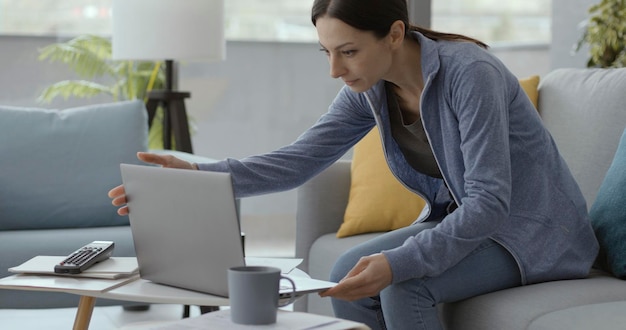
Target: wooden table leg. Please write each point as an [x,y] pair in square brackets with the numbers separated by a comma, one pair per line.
[83,313]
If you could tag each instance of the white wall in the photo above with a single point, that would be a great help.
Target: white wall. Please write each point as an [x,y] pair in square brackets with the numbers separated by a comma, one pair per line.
[566,18]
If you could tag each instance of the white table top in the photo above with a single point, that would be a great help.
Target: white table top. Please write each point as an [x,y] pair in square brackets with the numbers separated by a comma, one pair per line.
[146,291]
[138,290]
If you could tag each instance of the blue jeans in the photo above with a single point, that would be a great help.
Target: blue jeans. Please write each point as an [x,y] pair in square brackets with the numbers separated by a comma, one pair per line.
[412,304]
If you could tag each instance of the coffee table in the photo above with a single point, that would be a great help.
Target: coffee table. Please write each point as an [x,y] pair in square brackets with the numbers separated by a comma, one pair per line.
[138,290]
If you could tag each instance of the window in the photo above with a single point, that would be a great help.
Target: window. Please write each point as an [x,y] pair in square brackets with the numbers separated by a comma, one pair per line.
[492,21]
[280,20]
[53,17]
[495,21]
[276,20]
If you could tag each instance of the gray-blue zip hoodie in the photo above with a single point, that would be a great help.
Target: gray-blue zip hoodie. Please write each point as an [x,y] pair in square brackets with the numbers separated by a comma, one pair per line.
[501,165]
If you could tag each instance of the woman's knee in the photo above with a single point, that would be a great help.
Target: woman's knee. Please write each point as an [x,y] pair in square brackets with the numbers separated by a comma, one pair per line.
[414,292]
[344,264]
[385,241]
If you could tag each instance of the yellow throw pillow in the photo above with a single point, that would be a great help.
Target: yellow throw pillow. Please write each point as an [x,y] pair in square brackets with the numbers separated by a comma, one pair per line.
[530,85]
[378,202]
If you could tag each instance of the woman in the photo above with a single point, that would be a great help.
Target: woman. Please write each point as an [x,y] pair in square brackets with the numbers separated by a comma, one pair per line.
[457,129]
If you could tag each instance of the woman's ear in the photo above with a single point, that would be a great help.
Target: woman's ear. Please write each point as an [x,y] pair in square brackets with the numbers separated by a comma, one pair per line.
[396,33]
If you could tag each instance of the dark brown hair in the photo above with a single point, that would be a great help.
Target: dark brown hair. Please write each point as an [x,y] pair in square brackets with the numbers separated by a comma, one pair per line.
[377,16]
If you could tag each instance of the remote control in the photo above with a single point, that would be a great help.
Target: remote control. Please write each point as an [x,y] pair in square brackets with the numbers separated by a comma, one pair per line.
[83,258]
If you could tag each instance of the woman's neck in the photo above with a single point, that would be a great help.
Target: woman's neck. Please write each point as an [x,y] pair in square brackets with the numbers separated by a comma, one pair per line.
[406,78]
[406,71]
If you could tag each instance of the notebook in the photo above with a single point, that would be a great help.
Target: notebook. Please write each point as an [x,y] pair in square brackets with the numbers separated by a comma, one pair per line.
[186,230]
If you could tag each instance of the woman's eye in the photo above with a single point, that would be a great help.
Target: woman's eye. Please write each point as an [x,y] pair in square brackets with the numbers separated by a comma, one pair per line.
[325,51]
[348,53]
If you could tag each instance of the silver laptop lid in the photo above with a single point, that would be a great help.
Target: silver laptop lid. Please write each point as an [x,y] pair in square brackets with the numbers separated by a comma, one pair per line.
[184,225]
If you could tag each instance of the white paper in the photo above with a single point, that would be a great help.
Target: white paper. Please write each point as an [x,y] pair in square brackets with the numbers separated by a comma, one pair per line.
[62,283]
[112,268]
[284,321]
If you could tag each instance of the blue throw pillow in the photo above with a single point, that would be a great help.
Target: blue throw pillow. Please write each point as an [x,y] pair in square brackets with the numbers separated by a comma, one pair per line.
[608,215]
[56,166]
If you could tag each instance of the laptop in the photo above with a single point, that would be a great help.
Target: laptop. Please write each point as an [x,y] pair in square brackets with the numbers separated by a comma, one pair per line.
[186,229]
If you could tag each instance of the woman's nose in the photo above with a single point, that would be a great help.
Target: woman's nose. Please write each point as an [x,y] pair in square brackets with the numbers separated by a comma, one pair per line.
[336,67]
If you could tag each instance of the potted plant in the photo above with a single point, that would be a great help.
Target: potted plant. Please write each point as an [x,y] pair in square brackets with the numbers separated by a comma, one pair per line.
[605,33]
[89,56]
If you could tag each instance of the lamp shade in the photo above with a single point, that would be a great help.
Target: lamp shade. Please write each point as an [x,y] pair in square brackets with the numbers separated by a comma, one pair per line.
[168,29]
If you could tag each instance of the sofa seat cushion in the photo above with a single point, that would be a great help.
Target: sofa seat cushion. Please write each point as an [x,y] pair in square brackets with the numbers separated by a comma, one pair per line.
[58,165]
[517,308]
[608,315]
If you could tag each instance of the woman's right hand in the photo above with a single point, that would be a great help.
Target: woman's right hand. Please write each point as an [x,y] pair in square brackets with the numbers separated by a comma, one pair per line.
[118,194]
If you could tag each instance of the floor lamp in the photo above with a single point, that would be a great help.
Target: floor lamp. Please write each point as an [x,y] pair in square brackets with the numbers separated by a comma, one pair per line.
[169,30]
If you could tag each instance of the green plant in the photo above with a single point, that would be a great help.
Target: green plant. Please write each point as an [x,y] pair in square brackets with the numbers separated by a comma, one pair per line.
[605,33]
[89,56]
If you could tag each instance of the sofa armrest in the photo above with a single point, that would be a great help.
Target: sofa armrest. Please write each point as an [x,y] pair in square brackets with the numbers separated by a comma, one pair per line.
[321,203]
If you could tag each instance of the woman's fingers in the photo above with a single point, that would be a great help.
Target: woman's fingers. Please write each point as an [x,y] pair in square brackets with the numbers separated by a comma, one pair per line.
[119,201]
[152,158]
[117,191]
[164,160]
[367,278]
[123,210]
[118,194]
[118,198]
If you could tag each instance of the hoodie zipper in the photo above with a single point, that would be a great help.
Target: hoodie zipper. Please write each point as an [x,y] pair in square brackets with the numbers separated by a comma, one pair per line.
[380,132]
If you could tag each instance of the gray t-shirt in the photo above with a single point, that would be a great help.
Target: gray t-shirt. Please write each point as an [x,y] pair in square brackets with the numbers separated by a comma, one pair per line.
[411,138]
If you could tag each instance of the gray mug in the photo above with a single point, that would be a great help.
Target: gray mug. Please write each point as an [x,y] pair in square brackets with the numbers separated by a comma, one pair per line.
[253,294]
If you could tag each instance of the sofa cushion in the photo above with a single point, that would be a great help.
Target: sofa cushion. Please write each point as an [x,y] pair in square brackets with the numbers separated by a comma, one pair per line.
[58,165]
[377,201]
[584,111]
[530,86]
[608,215]
[516,308]
[608,315]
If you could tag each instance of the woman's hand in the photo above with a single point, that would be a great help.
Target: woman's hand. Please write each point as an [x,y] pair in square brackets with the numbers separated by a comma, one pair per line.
[166,161]
[118,194]
[366,279]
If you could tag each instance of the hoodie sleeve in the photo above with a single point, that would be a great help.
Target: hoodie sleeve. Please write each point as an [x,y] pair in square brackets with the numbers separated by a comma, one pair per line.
[346,122]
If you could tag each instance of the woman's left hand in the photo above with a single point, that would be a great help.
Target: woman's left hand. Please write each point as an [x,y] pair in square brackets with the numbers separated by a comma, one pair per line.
[366,279]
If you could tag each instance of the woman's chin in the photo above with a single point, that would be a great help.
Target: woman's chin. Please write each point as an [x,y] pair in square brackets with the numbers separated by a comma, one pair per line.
[357,86]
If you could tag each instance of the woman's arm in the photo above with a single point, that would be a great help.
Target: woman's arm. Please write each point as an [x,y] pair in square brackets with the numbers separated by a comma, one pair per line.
[347,121]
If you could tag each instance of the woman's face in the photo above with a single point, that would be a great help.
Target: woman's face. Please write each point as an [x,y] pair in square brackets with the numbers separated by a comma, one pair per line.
[357,57]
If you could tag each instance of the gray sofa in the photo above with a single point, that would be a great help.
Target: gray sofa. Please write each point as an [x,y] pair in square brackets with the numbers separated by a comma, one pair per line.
[56,169]
[585,110]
